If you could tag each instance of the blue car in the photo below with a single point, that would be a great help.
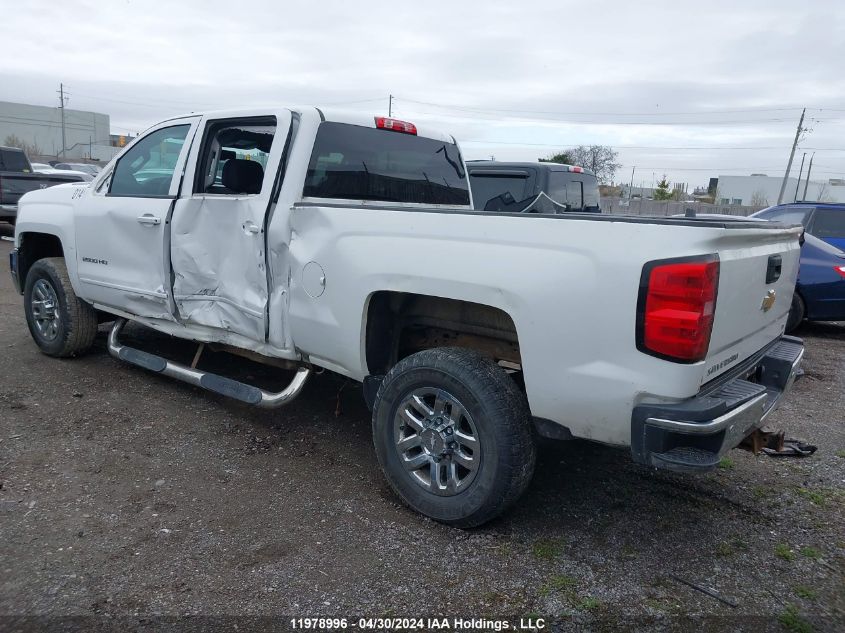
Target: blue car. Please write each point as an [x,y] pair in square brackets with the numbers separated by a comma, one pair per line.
[820,291]
[823,219]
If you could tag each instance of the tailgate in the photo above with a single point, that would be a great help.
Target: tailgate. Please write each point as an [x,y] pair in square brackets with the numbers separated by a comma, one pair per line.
[757,273]
[15,185]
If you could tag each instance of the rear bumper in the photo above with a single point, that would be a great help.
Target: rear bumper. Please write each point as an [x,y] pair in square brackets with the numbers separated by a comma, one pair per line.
[8,211]
[693,435]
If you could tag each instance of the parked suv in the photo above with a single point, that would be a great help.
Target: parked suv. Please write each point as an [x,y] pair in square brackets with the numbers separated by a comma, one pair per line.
[517,187]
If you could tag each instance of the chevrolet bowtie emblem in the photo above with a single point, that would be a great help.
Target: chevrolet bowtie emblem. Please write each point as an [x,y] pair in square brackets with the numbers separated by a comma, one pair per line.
[768,301]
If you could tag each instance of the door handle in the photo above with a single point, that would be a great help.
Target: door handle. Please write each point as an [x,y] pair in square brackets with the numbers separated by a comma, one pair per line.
[149,218]
[251,227]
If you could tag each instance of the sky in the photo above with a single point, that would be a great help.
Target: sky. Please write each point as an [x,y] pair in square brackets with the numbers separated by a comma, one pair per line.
[687,89]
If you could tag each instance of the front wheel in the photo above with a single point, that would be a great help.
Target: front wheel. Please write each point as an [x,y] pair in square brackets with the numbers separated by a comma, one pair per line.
[60,323]
[452,432]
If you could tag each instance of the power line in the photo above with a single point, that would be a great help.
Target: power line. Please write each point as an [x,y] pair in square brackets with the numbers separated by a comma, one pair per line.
[628,113]
[679,147]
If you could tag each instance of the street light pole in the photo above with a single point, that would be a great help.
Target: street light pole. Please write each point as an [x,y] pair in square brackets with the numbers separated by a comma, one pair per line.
[791,156]
[800,173]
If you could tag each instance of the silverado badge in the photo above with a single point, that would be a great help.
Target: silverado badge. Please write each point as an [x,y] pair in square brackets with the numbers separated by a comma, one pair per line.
[768,301]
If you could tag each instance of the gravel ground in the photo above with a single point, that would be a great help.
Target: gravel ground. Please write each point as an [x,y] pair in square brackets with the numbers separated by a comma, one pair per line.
[124,494]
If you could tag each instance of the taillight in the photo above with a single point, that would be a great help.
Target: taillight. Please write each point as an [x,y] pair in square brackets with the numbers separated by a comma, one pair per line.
[575,169]
[395,125]
[676,306]
[840,270]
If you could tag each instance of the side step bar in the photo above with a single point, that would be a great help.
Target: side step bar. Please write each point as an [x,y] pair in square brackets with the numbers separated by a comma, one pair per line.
[218,384]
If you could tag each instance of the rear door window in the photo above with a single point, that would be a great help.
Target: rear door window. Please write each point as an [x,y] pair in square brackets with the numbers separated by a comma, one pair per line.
[234,156]
[829,223]
[576,190]
[787,215]
[353,162]
[494,192]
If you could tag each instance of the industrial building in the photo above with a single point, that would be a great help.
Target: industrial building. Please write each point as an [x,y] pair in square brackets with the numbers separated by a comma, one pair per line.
[87,134]
[760,190]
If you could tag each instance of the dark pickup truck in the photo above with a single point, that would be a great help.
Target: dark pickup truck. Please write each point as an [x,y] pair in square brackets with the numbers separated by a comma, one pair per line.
[18,178]
[519,187]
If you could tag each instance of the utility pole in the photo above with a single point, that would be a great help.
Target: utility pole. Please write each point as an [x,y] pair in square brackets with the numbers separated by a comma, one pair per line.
[62,108]
[791,156]
[807,182]
[390,106]
[800,173]
[631,187]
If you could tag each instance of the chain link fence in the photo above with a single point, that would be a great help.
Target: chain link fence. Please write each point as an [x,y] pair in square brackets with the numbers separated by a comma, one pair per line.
[622,206]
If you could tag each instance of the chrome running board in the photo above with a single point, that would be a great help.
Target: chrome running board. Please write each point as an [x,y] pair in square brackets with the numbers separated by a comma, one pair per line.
[218,384]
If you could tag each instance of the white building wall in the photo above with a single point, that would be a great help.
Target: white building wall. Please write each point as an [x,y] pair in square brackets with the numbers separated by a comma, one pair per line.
[748,190]
[41,126]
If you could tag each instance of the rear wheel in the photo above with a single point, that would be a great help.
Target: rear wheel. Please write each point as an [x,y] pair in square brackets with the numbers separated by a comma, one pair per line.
[796,313]
[60,323]
[453,435]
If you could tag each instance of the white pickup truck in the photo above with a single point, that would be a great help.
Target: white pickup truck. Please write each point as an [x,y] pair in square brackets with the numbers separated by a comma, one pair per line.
[310,239]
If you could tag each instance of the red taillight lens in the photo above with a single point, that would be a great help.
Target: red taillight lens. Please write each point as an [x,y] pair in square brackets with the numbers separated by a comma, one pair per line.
[676,307]
[395,125]
[840,270]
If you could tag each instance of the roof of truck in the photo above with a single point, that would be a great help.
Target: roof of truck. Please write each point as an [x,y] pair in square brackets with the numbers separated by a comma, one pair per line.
[335,115]
[498,164]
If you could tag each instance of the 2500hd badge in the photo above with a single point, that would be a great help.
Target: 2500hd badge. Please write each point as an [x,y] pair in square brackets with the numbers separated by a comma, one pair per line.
[730,359]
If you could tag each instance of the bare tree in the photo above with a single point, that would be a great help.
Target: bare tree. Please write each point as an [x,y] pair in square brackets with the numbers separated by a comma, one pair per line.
[30,149]
[600,159]
[759,199]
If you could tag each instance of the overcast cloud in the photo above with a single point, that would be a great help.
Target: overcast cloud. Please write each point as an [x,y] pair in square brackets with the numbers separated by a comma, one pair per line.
[517,80]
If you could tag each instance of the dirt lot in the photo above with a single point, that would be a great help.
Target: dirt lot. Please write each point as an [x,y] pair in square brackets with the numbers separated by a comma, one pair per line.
[126,494]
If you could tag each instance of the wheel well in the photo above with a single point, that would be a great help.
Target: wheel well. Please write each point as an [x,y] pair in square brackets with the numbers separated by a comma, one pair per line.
[35,246]
[400,324]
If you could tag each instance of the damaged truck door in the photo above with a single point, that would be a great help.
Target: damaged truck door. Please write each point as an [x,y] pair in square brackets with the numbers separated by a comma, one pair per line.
[217,232]
[121,231]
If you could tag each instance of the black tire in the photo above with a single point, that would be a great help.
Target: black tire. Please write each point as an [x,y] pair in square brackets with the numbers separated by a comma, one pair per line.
[76,325]
[501,420]
[797,312]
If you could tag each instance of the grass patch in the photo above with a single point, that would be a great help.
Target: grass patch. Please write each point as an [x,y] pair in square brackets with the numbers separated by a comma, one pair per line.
[726,463]
[724,549]
[589,604]
[782,550]
[802,591]
[811,552]
[761,492]
[792,621]
[547,549]
[840,454]
[560,583]
[739,544]
[819,496]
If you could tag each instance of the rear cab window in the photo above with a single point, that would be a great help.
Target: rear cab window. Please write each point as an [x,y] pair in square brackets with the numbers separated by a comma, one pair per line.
[498,190]
[13,160]
[354,162]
